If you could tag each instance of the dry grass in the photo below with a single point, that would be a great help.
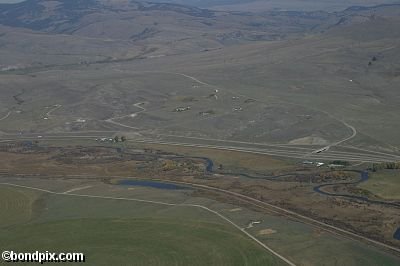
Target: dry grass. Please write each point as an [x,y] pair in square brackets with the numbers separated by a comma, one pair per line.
[385,184]
[229,159]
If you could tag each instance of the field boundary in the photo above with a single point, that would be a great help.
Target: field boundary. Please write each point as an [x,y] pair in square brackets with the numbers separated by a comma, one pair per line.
[67,193]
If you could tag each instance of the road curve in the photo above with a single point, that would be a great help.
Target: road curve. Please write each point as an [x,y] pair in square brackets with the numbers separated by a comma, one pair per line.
[138,105]
[6,116]
[353,135]
[352,128]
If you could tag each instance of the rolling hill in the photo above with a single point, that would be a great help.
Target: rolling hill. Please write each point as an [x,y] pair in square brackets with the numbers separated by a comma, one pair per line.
[297,64]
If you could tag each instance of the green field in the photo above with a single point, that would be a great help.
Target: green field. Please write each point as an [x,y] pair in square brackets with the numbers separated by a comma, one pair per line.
[140,242]
[110,232]
[16,206]
[124,232]
[385,184]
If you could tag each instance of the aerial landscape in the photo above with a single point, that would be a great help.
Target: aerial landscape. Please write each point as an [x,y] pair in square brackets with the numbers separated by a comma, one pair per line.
[199,132]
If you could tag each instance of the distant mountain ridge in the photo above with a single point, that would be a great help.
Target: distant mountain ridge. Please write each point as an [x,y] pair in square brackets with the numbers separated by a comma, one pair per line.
[39,14]
[179,27]
[282,5]
[364,8]
[123,19]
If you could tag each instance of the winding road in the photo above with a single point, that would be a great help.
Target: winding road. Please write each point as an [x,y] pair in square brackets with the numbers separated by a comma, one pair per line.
[6,116]
[306,155]
[352,128]
[326,148]
[55,107]
[138,105]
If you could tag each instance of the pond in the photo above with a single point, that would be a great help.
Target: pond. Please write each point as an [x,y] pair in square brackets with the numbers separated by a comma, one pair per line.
[397,234]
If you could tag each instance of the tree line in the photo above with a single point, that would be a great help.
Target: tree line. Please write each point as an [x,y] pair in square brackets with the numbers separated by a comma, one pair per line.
[389,165]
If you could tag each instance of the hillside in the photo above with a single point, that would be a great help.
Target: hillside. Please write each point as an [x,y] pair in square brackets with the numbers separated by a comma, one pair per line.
[159,29]
[179,28]
[268,5]
[121,30]
[297,64]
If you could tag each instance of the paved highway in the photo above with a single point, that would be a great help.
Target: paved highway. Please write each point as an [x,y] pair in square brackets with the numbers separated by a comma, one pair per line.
[254,148]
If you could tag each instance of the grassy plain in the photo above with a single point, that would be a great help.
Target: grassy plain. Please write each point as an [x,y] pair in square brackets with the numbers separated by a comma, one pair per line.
[149,241]
[16,206]
[136,233]
[120,233]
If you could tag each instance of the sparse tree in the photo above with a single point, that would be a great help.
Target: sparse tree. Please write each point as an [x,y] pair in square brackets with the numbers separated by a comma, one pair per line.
[123,138]
[116,139]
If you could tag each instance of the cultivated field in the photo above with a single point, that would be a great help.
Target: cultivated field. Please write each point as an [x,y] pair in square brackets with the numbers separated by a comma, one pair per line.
[106,230]
[126,233]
